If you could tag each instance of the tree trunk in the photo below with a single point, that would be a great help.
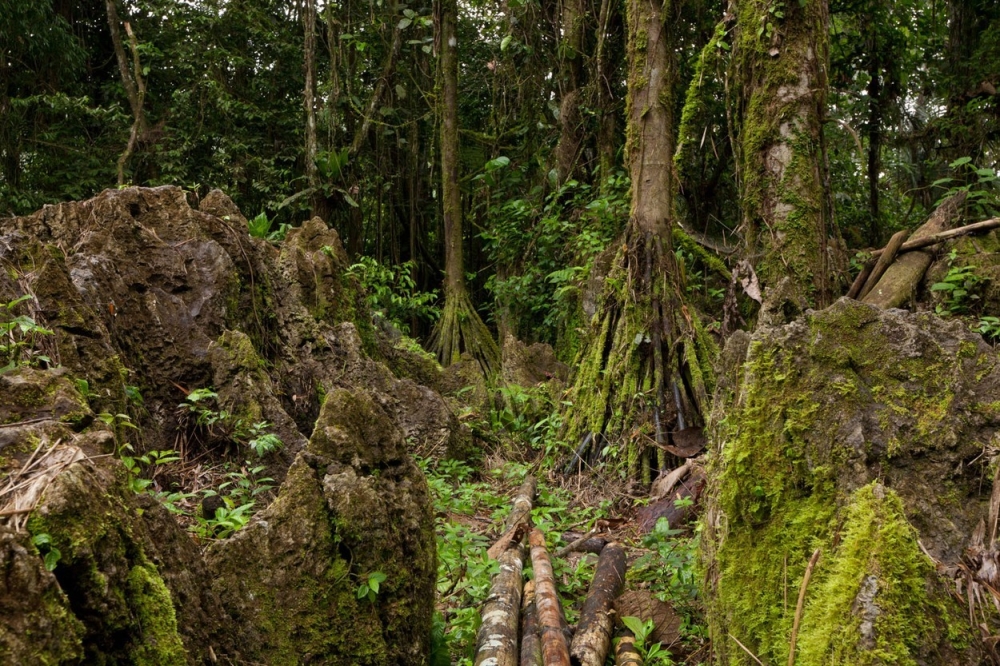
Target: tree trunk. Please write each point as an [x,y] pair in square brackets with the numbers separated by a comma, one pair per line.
[643,340]
[318,200]
[460,328]
[780,79]
[608,24]
[593,634]
[571,74]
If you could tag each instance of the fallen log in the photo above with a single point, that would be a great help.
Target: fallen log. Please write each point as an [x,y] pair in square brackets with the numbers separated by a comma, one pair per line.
[514,529]
[902,277]
[531,642]
[625,652]
[593,634]
[555,651]
[496,642]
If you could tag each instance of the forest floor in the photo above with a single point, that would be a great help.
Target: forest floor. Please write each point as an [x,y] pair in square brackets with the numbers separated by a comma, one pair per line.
[472,499]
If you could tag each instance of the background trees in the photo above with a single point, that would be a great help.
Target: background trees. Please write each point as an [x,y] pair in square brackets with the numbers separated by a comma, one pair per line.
[333,108]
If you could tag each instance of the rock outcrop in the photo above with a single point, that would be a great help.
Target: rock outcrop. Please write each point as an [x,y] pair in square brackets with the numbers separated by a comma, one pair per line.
[871,435]
[150,296]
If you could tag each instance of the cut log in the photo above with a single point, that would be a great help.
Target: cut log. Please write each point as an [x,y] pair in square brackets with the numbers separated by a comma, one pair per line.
[520,514]
[903,276]
[531,642]
[496,642]
[555,651]
[593,634]
[625,652]
[885,260]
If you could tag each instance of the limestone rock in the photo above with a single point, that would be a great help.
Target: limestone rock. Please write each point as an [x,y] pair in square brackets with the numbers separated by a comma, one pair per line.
[859,431]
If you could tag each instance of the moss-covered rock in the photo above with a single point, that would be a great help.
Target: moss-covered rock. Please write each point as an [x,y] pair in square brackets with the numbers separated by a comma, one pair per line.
[353,503]
[857,431]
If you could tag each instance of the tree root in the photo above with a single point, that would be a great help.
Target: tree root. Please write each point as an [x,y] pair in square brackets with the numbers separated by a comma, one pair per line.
[646,367]
[461,329]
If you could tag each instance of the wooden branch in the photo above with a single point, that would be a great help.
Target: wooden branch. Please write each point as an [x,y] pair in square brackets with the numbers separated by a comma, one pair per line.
[383,81]
[576,543]
[496,641]
[902,277]
[531,642]
[884,261]
[625,652]
[554,649]
[520,515]
[934,239]
[593,635]
[799,606]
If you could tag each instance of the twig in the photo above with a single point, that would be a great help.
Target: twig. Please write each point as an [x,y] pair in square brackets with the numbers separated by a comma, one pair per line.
[573,545]
[800,605]
[747,650]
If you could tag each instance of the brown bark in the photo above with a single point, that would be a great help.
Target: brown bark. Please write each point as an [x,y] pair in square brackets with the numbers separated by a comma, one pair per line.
[554,649]
[902,277]
[496,641]
[593,634]
[571,75]
[531,642]
[317,199]
[934,239]
[604,67]
[518,518]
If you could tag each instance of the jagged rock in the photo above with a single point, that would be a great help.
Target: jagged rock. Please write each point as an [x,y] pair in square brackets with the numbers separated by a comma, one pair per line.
[353,503]
[148,299]
[858,431]
[128,585]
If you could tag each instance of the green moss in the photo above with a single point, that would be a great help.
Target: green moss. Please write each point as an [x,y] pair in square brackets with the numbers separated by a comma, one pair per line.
[871,604]
[159,643]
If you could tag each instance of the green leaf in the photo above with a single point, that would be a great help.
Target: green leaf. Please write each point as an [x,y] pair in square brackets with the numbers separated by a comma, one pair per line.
[505,42]
[52,559]
[404,23]
[960,161]
[635,625]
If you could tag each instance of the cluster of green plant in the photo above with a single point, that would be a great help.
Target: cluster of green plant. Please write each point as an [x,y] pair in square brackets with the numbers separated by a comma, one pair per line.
[19,335]
[369,586]
[50,554]
[221,424]
[393,294]
[980,184]
[653,654]
[260,227]
[547,243]
[239,494]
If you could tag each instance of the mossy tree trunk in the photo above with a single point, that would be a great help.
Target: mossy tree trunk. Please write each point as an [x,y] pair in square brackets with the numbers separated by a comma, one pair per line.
[460,328]
[643,368]
[779,77]
[571,74]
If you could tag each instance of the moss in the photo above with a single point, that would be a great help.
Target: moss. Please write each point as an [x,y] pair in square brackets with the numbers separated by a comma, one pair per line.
[159,643]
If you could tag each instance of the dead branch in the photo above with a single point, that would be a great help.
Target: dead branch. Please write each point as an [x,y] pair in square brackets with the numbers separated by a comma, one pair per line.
[663,485]
[554,649]
[519,516]
[496,642]
[906,272]
[531,642]
[885,260]
[576,543]
[593,635]
[943,236]
[800,605]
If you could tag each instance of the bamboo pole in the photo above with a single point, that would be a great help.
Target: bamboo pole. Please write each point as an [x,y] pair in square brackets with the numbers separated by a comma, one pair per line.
[531,642]
[554,649]
[496,642]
